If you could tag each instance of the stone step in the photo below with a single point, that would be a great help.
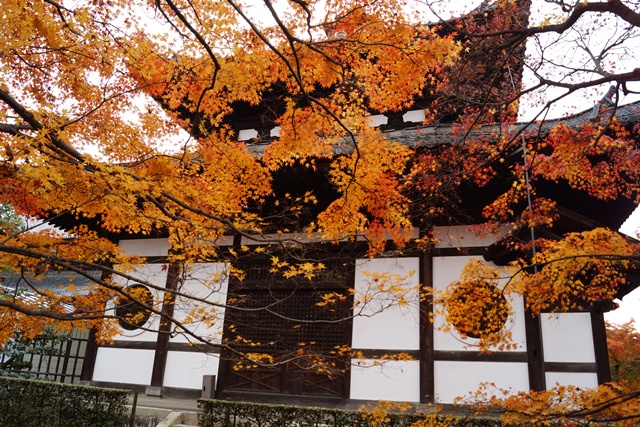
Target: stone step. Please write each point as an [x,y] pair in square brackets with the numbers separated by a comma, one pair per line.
[189,419]
[171,420]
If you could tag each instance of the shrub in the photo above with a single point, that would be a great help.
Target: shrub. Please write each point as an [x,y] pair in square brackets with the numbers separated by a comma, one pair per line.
[31,403]
[218,413]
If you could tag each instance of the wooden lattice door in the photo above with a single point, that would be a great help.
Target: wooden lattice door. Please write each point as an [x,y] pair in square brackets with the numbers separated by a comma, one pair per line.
[288,322]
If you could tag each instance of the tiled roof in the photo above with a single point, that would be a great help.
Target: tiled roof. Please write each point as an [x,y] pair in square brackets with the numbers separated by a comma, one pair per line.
[433,135]
[57,281]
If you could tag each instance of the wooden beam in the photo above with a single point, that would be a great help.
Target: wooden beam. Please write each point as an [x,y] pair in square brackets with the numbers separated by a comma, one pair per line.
[476,356]
[368,353]
[570,367]
[456,251]
[173,346]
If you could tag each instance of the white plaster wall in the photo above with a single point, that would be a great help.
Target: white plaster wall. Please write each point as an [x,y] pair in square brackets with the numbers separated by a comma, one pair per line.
[397,381]
[458,379]
[122,365]
[415,116]
[567,337]
[390,326]
[447,270]
[145,247]
[247,134]
[463,236]
[186,369]
[207,281]
[155,274]
[578,379]
[377,120]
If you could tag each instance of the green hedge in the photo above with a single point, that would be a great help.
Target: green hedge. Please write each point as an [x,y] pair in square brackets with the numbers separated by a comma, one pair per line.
[31,403]
[219,413]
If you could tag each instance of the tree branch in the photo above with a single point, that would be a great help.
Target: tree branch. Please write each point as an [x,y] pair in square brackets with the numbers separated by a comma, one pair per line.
[50,135]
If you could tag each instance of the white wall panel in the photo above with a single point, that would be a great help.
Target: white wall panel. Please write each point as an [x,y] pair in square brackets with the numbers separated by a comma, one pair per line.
[145,247]
[578,379]
[458,379]
[122,365]
[207,281]
[447,270]
[155,274]
[567,337]
[397,381]
[378,120]
[416,116]
[186,369]
[384,324]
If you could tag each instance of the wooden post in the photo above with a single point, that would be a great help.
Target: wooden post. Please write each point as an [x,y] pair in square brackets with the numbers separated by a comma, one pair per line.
[535,355]
[600,347]
[164,330]
[91,352]
[427,387]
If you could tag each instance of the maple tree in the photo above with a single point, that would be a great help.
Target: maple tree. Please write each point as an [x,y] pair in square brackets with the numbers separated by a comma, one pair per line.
[85,146]
[609,404]
[623,341]
[8,218]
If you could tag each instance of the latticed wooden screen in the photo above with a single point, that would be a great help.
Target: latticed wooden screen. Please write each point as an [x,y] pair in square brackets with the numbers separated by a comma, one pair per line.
[55,359]
[284,320]
[288,320]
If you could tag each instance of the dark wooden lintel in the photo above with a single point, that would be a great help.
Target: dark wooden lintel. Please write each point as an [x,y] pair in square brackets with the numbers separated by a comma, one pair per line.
[386,354]
[570,367]
[156,260]
[173,346]
[476,356]
[474,250]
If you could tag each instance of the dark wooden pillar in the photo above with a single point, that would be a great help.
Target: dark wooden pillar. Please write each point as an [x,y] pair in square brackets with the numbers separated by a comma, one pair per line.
[535,354]
[599,332]
[164,330]
[426,329]
[91,352]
